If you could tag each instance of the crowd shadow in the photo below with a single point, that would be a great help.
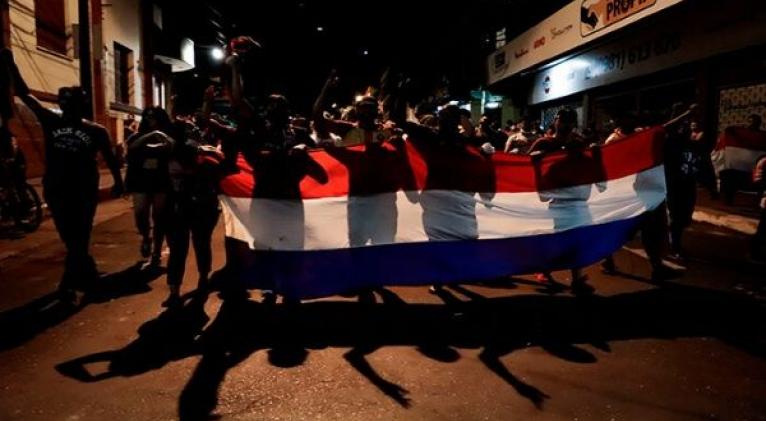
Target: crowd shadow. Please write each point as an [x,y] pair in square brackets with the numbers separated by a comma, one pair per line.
[559,324]
[169,337]
[25,322]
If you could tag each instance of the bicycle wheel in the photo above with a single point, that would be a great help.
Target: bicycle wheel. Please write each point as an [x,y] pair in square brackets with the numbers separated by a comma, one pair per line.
[32,209]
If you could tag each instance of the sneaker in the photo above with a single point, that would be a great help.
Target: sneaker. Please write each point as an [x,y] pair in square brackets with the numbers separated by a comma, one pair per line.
[677,257]
[146,247]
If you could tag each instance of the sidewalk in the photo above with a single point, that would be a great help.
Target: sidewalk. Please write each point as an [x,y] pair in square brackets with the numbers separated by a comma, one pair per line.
[742,216]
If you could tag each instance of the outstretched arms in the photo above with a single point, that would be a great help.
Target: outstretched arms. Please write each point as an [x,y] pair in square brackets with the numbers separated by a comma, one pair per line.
[676,120]
[320,122]
[21,89]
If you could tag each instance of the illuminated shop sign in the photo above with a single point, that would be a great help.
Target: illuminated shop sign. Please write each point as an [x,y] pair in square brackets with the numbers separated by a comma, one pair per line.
[596,15]
[668,44]
[573,26]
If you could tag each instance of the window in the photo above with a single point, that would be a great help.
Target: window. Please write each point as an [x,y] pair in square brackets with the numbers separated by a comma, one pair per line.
[123,74]
[50,25]
[500,39]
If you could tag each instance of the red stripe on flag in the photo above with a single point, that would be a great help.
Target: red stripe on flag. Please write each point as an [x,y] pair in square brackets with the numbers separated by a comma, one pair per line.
[354,171]
[742,137]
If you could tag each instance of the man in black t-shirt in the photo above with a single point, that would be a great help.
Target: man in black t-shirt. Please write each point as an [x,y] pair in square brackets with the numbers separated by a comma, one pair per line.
[71,179]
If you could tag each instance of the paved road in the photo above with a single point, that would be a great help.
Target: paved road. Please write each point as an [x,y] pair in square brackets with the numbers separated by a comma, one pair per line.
[510,349]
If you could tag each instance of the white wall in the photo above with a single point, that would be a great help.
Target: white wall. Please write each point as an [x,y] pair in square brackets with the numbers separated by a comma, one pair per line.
[122,24]
[43,70]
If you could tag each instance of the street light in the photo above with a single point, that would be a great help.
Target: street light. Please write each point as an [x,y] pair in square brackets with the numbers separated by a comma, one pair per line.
[217,53]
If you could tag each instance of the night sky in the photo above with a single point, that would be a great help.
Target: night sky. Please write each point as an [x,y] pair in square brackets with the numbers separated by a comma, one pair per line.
[433,42]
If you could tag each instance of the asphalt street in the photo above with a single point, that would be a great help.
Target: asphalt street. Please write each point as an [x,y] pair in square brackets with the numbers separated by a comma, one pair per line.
[506,349]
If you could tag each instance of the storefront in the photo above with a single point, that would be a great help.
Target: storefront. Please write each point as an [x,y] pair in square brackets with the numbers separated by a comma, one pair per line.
[709,52]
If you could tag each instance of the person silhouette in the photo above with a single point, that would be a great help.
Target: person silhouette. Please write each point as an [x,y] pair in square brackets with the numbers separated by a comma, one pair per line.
[568,206]
[278,156]
[71,180]
[376,173]
[457,172]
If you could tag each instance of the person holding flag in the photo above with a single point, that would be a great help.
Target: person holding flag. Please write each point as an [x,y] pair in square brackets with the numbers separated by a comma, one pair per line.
[448,198]
[277,155]
[565,214]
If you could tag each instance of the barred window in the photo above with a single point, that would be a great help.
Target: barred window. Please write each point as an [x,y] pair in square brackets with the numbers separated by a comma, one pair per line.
[50,25]
[123,74]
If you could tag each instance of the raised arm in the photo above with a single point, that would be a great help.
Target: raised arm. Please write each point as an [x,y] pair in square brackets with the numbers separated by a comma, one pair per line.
[508,145]
[22,90]
[396,109]
[207,102]
[673,122]
[320,122]
[419,135]
[236,88]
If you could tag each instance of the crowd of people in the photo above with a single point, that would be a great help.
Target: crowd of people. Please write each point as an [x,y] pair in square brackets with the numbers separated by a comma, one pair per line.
[175,163]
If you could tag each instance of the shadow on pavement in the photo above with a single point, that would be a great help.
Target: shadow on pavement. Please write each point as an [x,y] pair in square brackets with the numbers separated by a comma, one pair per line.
[496,326]
[23,323]
[171,336]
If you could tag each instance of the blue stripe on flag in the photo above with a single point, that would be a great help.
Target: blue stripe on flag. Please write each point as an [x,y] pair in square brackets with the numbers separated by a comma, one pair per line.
[318,273]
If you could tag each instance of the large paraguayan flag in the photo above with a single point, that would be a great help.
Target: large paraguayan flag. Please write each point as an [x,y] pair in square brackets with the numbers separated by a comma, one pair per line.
[739,148]
[416,213]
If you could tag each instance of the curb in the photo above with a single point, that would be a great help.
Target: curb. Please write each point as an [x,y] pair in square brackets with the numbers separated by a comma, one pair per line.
[742,224]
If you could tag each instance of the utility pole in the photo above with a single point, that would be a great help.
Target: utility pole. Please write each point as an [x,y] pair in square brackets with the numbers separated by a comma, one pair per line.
[147,53]
[86,74]
[97,55]
[5,24]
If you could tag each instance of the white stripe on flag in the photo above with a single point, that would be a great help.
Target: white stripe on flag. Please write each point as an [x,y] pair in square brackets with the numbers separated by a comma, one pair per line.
[317,224]
[735,158]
